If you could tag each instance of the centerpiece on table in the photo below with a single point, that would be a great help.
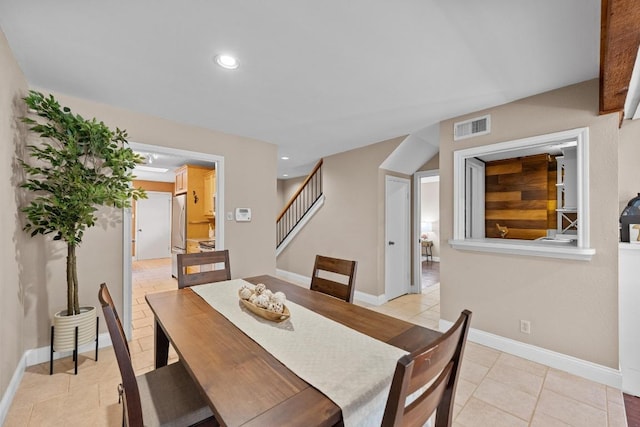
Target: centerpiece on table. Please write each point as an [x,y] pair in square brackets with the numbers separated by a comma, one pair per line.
[264,303]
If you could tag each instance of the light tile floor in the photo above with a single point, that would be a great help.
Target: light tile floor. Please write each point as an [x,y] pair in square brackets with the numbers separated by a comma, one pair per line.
[495,389]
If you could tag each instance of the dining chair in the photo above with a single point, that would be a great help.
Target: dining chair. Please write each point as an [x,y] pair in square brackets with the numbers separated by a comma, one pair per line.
[207,260]
[336,269]
[425,380]
[162,397]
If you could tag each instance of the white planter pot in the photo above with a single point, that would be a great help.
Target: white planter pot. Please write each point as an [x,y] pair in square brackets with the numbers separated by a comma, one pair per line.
[64,332]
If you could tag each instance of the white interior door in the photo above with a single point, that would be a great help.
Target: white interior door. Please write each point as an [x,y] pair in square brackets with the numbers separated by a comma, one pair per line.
[397,245]
[153,226]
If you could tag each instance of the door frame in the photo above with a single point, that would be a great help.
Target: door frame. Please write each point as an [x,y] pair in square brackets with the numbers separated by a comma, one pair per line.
[416,287]
[127,221]
[406,242]
[474,199]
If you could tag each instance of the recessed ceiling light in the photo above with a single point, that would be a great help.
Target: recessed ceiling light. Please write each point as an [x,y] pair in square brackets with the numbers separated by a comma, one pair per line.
[227,61]
[150,169]
[284,158]
[285,175]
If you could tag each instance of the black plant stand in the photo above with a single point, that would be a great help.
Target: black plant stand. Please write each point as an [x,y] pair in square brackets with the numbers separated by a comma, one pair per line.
[75,348]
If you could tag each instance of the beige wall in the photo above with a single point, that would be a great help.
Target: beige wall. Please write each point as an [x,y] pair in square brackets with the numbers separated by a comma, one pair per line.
[13,86]
[250,180]
[286,189]
[628,162]
[572,305]
[350,225]
[34,279]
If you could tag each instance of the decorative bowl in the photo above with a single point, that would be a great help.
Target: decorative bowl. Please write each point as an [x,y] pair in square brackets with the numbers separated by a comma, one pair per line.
[266,314]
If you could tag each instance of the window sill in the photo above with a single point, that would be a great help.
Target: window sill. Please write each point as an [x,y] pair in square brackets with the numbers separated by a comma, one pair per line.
[525,247]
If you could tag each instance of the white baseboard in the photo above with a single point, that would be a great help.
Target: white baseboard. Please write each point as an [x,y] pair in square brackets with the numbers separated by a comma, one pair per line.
[370,299]
[41,355]
[573,365]
[304,281]
[11,390]
[295,278]
[589,370]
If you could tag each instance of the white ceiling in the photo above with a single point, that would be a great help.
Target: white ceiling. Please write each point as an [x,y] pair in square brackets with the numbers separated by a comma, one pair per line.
[315,77]
[162,159]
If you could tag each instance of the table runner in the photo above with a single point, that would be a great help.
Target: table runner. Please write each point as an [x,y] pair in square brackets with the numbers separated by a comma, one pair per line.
[351,368]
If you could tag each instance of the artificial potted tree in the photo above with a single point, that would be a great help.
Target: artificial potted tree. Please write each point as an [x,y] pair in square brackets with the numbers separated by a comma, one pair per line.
[79,166]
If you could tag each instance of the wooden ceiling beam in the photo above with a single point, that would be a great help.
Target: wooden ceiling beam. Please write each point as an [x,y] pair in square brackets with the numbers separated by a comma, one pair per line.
[619,41]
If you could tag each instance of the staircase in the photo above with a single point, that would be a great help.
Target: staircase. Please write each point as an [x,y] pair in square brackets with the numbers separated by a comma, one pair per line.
[300,208]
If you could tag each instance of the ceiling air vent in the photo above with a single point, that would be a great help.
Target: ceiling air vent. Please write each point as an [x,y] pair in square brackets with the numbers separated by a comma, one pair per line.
[473,127]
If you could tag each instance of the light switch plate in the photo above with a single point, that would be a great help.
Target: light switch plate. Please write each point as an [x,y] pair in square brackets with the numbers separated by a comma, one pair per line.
[229,216]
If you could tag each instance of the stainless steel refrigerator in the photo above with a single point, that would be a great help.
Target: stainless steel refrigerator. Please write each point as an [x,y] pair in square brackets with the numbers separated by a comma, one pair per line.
[178,230]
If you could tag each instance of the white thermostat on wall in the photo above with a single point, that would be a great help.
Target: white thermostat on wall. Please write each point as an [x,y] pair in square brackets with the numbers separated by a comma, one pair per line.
[243,214]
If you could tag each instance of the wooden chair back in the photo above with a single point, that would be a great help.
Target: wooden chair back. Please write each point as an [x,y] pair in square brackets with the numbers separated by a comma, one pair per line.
[437,366]
[105,298]
[203,258]
[331,287]
[130,392]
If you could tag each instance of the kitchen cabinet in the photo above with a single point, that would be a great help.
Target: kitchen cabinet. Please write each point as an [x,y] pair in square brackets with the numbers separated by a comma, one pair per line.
[181,180]
[209,192]
[193,248]
[190,181]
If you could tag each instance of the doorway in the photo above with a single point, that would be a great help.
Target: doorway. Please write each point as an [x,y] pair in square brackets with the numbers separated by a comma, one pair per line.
[180,156]
[397,247]
[427,229]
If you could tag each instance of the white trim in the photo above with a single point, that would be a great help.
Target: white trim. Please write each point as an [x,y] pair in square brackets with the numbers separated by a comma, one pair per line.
[474,198]
[10,392]
[305,219]
[583,368]
[583,188]
[41,355]
[304,282]
[219,208]
[127,294]
[370,299]
[295,278]
[416,284]
[526,247]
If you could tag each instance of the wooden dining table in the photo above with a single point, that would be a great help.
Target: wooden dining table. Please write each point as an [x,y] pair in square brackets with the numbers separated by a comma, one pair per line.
[244,384]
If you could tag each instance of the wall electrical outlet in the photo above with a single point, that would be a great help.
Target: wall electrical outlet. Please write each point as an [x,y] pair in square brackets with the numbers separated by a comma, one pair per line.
[525,326]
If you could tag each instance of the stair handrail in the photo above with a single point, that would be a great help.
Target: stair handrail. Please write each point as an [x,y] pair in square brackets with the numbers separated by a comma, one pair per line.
[300,189]
[299,205]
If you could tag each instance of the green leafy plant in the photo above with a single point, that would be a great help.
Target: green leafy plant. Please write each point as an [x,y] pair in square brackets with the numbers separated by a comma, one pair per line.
[79,166]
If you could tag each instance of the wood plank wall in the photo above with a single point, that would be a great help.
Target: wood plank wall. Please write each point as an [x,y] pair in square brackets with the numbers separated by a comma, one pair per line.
[520,193]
